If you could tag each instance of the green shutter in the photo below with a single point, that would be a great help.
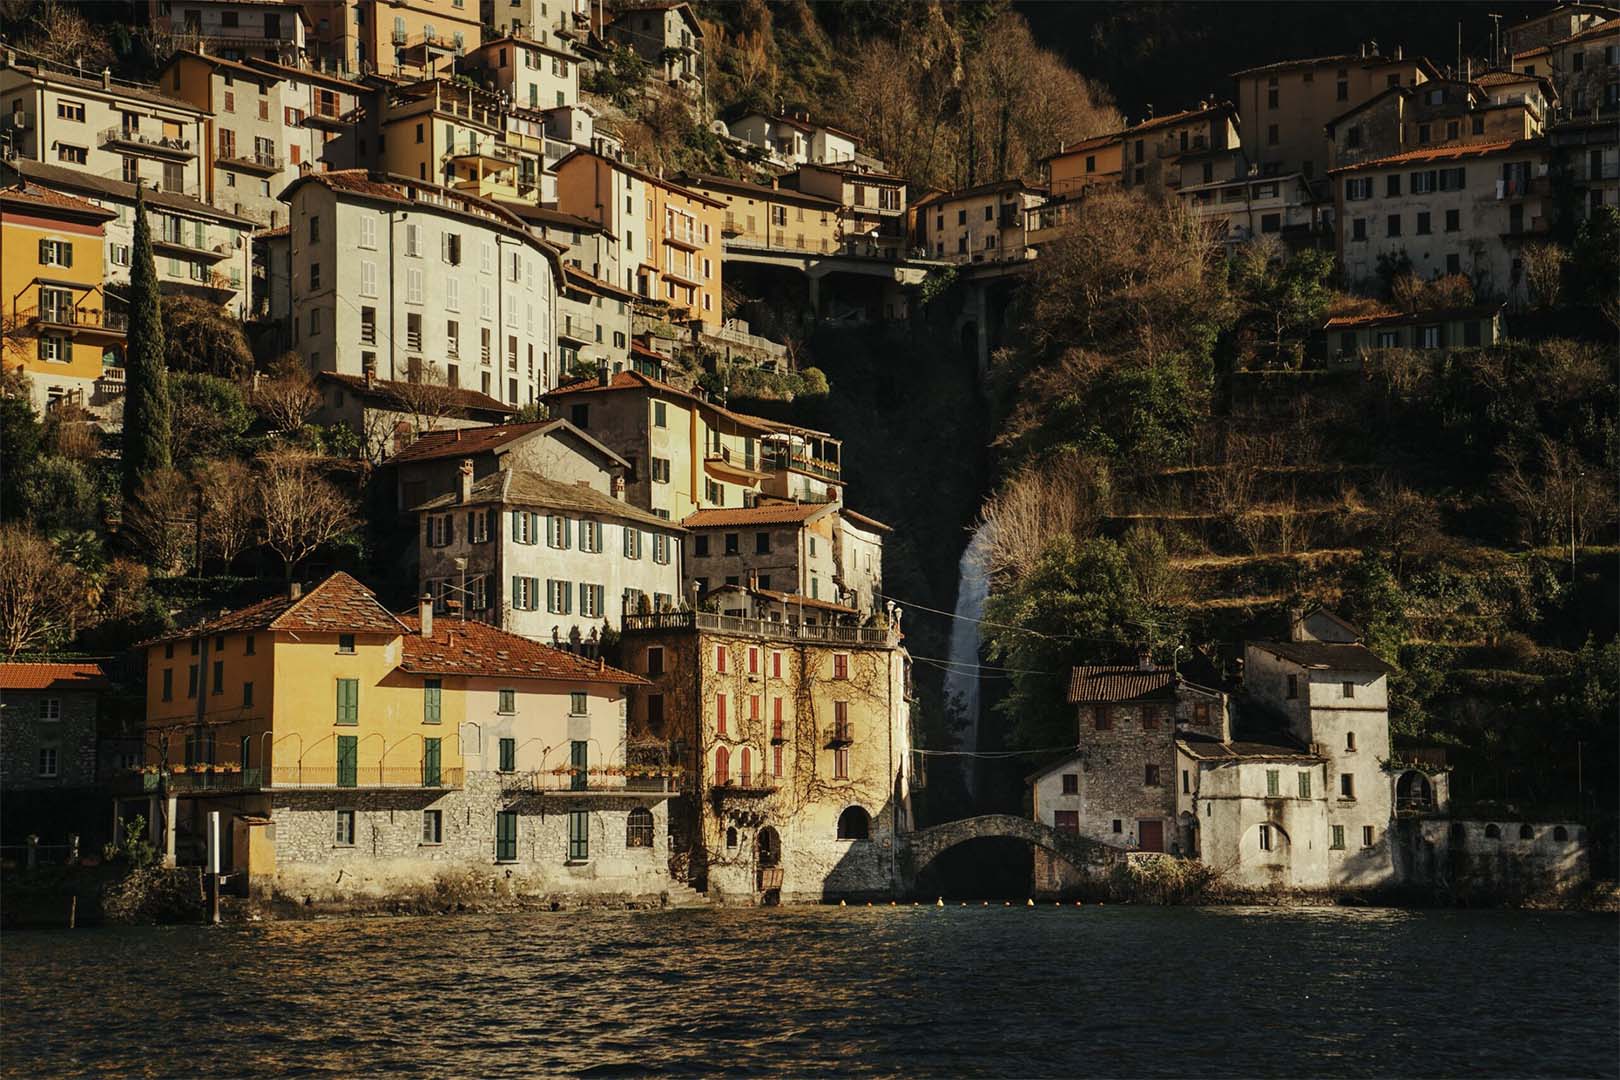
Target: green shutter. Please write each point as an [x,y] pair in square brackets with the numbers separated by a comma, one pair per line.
[506,835]
[517,525]
[348,702]
[579,835]
[1304,785]
[579,759]
[348,760]
[508,755]
[1273,786]
[432,697]
[430,763]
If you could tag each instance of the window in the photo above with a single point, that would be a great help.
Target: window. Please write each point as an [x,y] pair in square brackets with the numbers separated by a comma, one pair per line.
[432,694]
[506,835]
[348,760]
[722,766]
[841,764]
[1453,220]
[343,835]
[1347,689]
[1265,838]
[168,684]
[348,702]
[72,155]
[1358,188]
[1118,826]
[55,253]
[577,703]
[720,714]
[632,542]
[1423,224]
[1358,229]
[661,546]
[558,531]
[346,644]
[1393,225]
[638,828]
[506,702]
[508,755]
[776,665]
[1338,838]
[1103,718]
[431,776]
[1272,138]
[731,543]
[1071,783]
[1304,785]
[433,826]
[1347,786]
[1367,835]
[660,475]
[840,665]
[191,682]
[1150,776]
[47,761]
[753,660]
[1273,783]
[720,659]
[854,824]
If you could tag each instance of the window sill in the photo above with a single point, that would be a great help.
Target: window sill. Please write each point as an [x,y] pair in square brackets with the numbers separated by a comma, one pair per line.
[505,862]
[576,862]
[430,843]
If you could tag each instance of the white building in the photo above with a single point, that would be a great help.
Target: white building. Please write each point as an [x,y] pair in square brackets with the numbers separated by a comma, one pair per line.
[533,75]
[543,558]
[393,275]
[792,140]
[237,29]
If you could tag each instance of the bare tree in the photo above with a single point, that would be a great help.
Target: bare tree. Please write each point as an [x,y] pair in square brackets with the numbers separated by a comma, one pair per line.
[299,508]
[1065,496]
[1556,493]
[287,396]
[43,597]
[230,508]
[162,519]
[425,397]
[1544,272]
[60,34]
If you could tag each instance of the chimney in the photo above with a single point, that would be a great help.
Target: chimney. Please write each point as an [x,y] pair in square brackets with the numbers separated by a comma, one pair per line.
[1296,623]
[106,78]
[618,485]
[1144,658]
[426,612]
[295,589]
[753,580]
[603,375]
[464,481]
[1400,51]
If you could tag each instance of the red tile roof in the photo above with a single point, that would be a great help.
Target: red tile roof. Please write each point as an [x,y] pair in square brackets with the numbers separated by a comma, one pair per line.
[1097,683]
[340,604]
[458,397]
[464,442]
[1185,116]
[26,192]
[1610,26]
[864,521]
[1451,152]
[1387,318]
[69,675]
[475,648]
[635,380]
[767,513]
[1085,144]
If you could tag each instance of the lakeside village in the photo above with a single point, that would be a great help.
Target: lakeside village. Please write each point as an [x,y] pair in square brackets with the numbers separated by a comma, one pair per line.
[406,196]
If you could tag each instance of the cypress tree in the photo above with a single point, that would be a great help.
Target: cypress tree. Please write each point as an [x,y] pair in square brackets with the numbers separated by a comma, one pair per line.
[146,398]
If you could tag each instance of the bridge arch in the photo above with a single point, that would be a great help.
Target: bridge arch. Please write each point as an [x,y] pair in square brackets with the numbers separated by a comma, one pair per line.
[922,847]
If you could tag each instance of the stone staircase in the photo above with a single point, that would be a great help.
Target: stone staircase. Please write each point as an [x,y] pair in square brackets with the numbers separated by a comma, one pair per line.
[684,896]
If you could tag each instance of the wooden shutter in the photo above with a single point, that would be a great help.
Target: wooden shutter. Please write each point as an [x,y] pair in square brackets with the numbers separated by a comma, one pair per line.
[430,762]
[348,760]
[720,714]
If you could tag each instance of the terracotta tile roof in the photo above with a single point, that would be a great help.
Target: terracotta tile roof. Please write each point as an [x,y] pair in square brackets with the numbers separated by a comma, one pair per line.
[465,442]
[1119,683]
[1340,60]
[702,182]
[1325,656]
[68,675]
[765,513]
[382,389]
[1083,145]
[511,487]
[1345,322]
[1539,50]
[57,176]
[577,278]
[1451,152]
[340,604]
[1180,118]
[26,192]
[1209,749]
[475,648]
[1496,78]
[635,380]
[1597,30]
[864,521]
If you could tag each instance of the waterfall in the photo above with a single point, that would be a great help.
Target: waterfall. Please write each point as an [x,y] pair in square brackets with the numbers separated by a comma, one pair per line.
[962,677]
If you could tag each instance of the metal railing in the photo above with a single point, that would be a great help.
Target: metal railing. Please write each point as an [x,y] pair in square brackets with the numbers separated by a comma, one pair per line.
[371,776]
[782,461]
[254,160]
[746,340]
[831,634]
[161,143]
[596,782]
[72,316]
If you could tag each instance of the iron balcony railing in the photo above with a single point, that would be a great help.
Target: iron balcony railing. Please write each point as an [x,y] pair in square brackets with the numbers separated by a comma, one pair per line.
[115,321]
[159,145]
[832,634]
[783,461]
[197,778]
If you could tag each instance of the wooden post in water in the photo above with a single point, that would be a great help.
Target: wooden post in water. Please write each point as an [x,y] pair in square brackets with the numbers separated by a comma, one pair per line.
[213,867]
[33,850]
[73,911]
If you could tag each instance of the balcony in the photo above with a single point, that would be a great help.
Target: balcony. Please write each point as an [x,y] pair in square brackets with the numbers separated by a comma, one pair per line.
[689,238]
[841,735]
[582,331]
[823,633]
[373,777]
[731,465]
[746,786]
[1523,187]
[488,152]
[153,146]
[175,245]
[682,276]
[83,320]
[330,118]
[603,782]
[782,460]
[257,162]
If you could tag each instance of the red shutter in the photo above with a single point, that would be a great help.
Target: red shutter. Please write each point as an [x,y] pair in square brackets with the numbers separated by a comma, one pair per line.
[720,659]
[776,665]
[720,714]
[722,765]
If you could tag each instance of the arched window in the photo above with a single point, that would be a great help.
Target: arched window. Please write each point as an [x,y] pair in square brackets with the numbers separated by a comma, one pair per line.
[731,838]
[1560,834]
[1526,833]
[747,769]
[722,766]
[854,824]
[638,828]
[1493,832]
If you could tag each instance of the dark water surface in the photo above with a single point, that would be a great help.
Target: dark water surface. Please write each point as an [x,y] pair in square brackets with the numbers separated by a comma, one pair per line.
[1114,991]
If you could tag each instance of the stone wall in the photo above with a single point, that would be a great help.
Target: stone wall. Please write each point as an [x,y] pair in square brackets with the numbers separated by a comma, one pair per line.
[1114,778]
[25,732]
[1496,856]
[390,859]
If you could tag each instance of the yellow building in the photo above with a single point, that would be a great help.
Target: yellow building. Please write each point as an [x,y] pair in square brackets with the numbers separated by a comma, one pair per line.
[56,327]
[1090,163]
[771,217]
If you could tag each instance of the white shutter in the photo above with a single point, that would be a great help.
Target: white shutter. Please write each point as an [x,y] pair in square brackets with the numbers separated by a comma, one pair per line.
[368,278]
[368,232]
[452,294]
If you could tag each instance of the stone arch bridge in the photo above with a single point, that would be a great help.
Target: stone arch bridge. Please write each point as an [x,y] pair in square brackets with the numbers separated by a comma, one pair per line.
[918,849]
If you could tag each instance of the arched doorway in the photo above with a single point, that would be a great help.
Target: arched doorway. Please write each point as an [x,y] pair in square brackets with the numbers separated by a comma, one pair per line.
[1413,792]
[768,863]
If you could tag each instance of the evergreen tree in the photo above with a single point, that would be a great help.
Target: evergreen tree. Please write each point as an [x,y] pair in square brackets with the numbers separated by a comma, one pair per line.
[146,401]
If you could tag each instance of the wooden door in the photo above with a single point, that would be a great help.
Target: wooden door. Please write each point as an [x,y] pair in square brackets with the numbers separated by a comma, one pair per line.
[1150,835]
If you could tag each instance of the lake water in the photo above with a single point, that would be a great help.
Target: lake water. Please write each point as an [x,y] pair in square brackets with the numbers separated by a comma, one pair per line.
[1094,991]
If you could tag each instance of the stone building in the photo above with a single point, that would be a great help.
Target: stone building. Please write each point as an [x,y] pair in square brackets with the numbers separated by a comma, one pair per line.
[1555,24]
[794,740]
[669,37]
[1462,209]
[544,558]
[1152,149]
[979,224]
[822,551]
[1493,109]
[431,466]
[48,724]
